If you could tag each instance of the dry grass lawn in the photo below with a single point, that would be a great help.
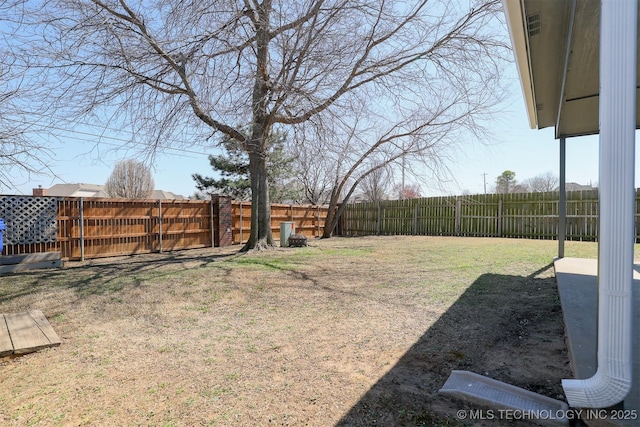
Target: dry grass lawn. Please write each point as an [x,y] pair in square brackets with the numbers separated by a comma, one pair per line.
[347,331]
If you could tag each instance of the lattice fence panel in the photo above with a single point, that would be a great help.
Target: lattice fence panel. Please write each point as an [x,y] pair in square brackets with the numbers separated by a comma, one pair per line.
[29,219]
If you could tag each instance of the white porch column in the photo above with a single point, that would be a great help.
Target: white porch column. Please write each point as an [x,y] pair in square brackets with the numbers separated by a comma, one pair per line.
[618,46]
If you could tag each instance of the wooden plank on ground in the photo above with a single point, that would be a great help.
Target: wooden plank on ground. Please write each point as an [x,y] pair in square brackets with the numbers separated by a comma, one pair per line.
[45,327]
[28,258]
[6,347]
[30,266]
[25,333]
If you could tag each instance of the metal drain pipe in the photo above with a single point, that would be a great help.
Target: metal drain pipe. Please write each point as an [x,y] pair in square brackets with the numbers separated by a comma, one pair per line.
[618,45]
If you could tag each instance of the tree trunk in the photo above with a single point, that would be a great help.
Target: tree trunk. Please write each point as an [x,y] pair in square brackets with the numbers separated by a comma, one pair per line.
[335,210]
[333,216]
[328,222]
[261,236]
[265,238]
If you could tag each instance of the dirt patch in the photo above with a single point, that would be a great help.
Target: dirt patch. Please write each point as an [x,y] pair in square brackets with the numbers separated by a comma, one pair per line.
[351,332]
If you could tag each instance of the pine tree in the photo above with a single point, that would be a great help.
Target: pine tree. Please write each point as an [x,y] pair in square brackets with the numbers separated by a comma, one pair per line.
[233,167]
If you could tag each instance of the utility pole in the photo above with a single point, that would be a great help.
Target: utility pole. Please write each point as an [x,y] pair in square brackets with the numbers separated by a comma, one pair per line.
[402,192]
[484,178]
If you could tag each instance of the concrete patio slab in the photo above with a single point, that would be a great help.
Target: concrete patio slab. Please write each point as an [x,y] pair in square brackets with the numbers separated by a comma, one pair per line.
[577,280]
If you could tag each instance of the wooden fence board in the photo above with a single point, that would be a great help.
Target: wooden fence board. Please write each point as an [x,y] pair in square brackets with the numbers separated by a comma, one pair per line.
[101,227]
[519,215]
[106,227]
[309,220]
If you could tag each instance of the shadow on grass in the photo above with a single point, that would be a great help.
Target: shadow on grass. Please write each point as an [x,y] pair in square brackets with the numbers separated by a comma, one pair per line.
[506,327]
[104,276]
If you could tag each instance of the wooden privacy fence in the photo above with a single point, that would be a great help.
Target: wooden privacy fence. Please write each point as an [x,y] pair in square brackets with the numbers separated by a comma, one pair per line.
[84,228]
[519,215]
[309,219]
[97,227]
[81,228]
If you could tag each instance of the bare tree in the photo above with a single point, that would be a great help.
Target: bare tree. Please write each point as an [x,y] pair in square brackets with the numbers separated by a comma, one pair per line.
[21,154]
[365,153]
[541,183]
[167,67]
[312,164]
[131,180]
[417,114]
[375,185]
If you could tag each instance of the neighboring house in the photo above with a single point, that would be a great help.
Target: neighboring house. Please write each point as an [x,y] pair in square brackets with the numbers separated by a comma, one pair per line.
[166,195]
[72,190]
[573,186]
[93,190]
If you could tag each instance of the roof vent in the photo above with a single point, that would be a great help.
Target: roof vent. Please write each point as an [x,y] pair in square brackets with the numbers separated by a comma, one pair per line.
[533,24]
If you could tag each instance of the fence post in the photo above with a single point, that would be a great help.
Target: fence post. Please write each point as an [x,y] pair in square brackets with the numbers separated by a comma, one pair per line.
[499,219]
[241,222]
[458,220]
[160,223]
[213,238]
[379,220]
[415,220]
[81,228]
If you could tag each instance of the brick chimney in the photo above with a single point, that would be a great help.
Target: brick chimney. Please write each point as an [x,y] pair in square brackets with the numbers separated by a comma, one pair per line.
[39,191]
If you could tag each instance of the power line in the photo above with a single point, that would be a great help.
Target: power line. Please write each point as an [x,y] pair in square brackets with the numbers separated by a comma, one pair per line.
[180,151]
[125,141]
[100,138]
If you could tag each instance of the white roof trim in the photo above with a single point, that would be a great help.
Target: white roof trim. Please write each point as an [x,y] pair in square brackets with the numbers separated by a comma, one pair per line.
[514,13]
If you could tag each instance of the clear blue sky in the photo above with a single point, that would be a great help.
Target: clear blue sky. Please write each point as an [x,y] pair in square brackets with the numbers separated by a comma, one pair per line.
[513,146]
[75,158]
[527,152]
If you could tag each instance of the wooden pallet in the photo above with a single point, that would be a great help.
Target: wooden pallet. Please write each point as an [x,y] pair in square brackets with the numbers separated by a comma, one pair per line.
[13,263]
[26,332]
